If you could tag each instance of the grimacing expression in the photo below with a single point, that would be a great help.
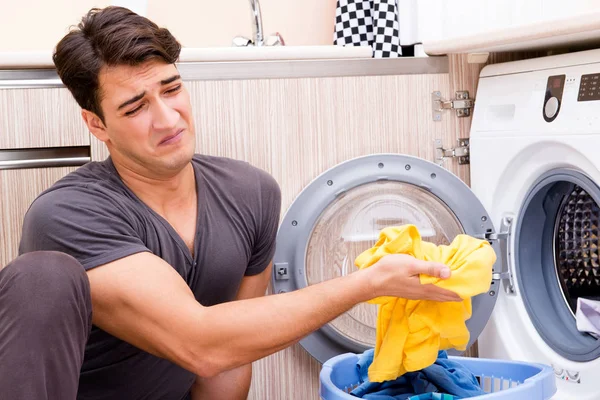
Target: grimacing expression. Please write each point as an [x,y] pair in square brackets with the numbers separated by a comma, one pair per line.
[147,115]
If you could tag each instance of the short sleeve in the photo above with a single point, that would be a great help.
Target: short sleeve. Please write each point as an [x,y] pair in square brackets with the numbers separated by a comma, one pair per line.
[90,226]
[268,208]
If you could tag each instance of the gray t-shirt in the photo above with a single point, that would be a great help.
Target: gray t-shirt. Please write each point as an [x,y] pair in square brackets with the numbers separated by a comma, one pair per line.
[91,215]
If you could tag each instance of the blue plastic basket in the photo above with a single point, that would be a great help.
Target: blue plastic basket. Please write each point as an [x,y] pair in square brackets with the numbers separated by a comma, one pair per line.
[512,380]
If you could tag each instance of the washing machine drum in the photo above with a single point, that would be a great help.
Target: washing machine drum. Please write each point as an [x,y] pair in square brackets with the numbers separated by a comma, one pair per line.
[557,258]
[340,214]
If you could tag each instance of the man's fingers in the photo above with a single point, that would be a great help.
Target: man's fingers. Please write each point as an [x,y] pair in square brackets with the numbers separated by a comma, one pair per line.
[431,268]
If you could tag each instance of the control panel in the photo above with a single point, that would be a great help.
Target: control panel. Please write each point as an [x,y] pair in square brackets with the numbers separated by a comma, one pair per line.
[589,88]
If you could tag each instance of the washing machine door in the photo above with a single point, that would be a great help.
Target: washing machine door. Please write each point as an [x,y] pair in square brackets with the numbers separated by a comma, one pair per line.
[556,255]
[340,214]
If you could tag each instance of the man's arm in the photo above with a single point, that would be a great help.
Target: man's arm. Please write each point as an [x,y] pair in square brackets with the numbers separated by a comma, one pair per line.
[234,384]
[145,302]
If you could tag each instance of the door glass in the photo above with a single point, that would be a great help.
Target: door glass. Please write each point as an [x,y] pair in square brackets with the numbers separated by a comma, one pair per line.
[576,247]
[351,224]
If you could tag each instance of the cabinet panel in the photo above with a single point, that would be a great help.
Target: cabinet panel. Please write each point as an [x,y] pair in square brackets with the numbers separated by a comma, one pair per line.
[47,117]
[18,189]
[453,19]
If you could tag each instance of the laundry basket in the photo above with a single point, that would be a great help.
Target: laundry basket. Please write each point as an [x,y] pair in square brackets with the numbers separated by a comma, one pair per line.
[508,380]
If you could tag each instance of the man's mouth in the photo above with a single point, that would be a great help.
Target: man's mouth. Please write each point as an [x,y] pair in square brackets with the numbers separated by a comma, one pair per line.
[172,138]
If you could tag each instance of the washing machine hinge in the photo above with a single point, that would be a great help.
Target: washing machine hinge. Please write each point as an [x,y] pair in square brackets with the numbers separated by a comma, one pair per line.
[502,238]
[461,152]
[462,104]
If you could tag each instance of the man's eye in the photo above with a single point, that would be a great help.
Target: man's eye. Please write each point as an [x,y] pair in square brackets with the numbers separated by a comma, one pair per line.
[128,113]
[175,89]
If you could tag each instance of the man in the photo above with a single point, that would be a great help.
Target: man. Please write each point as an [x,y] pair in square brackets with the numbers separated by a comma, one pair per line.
[142,277]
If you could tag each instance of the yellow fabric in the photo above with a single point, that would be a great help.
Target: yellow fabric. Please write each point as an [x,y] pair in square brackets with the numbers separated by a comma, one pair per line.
[411,332]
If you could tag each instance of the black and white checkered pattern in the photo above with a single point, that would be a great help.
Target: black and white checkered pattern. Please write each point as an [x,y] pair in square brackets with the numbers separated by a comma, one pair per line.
[368,23]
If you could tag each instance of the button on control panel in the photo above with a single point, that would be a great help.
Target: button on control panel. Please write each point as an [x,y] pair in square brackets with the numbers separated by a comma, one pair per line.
[589,88]
[553,97]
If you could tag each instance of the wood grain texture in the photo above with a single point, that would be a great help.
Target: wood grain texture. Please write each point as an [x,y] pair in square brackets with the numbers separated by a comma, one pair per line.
[43,117]
[18,189]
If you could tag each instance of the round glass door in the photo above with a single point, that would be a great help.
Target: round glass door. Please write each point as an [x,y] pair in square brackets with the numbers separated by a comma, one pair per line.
[341,213]
[557,258]
[576,247]
[351,225]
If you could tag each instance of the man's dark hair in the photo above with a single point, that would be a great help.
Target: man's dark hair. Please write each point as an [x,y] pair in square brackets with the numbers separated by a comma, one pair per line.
[110,36]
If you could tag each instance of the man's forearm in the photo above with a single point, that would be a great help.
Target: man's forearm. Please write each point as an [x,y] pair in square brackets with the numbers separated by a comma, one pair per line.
[229,385]
[214,339]
[236,333]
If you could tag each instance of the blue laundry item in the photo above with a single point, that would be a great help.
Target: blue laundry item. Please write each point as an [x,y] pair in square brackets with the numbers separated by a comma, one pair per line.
[445,376]
[433,396]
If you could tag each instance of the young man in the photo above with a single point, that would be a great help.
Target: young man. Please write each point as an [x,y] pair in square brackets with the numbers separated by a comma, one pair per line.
[142,276]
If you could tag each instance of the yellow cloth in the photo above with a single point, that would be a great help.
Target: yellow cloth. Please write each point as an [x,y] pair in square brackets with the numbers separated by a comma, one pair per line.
[411,332]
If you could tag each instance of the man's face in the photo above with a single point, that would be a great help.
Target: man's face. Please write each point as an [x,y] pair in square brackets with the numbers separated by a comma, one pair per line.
[147,113]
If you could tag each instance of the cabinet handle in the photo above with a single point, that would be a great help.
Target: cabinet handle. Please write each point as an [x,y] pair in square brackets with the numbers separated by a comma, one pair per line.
[44,157]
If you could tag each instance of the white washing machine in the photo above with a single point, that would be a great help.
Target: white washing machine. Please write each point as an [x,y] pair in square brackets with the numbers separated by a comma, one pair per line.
[535,158]
[535,166]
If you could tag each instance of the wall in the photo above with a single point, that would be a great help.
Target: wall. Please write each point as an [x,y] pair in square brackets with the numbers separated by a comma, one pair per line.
[209,23]
[39,24]
[216,23]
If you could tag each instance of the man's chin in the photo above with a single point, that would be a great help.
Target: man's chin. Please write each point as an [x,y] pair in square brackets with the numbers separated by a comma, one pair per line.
[176,162]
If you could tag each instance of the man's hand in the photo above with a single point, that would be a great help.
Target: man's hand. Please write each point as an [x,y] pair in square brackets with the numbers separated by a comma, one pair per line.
[398,275]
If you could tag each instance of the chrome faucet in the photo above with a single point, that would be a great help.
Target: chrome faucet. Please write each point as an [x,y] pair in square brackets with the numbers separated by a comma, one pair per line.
[257,31]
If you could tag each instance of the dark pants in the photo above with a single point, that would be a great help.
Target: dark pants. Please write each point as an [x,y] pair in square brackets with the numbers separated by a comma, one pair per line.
[45,320]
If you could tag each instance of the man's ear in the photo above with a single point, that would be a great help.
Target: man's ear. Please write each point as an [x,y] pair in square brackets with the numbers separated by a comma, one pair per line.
[95,125]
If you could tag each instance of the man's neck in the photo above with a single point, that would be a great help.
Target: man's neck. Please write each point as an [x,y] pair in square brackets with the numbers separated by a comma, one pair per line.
[163,194]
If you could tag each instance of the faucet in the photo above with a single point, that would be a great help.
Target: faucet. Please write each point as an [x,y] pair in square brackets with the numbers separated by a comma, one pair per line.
[257,31]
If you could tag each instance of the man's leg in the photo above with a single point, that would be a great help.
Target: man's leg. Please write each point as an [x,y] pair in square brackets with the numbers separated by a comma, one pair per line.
[45,320]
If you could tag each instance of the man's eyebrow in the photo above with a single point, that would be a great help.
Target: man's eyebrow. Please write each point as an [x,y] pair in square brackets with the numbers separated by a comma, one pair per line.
[169,80]
[132,100]
[141,95]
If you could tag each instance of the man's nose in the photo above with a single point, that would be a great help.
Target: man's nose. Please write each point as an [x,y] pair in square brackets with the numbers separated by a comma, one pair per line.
[164,116]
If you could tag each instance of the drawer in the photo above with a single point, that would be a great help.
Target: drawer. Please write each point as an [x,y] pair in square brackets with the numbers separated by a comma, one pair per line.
[40,117]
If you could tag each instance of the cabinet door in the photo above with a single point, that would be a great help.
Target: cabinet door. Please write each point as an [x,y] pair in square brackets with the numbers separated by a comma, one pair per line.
[441,20]
[495,24]
[18,189]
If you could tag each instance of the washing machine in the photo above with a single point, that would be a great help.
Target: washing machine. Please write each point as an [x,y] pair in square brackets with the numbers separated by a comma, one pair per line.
[535,166]
[534,195]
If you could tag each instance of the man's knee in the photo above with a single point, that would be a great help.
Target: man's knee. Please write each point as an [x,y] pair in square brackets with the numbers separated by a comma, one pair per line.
[46,318]
[43,278]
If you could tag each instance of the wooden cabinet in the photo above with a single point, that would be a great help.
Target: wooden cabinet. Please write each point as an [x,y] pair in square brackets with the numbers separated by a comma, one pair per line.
[18,189]
[474,26]
[34,123]
[453,19]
